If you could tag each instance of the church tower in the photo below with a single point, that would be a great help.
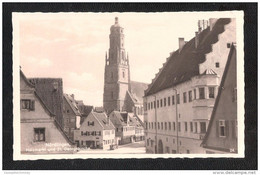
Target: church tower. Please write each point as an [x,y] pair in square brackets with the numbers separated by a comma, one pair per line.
[117,74]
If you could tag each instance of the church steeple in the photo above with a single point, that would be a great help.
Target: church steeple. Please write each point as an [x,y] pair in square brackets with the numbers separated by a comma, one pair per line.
[117,78]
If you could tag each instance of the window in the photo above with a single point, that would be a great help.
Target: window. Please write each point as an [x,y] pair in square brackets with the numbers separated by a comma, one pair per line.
[161,102]
[164,101]
[188,151]
[234,97]
[82,133]
[195,94]
[148,106]
[222,127]
[151,143]
[173,125]
[186,126]
[191,127]
[169,101]
[179,126]
[158,125]
[217,64]
[112,95]
[158,104]
[145,127]
[152,125]
[151,105]
[201,93]
[147,142]
[203,127]
[39,134]
[173,100]
[173,141]
[211,92]
[170,126]
[123,74]
[165,125]
[196,127]
[178,98]
[162,125]
[28,104]
[154,104]
[174,151]
[149,125]
[90,123]
[167,149]
[184,97]
[190,96]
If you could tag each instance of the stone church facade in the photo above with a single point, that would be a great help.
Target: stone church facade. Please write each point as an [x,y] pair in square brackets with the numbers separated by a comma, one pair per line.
[120,93]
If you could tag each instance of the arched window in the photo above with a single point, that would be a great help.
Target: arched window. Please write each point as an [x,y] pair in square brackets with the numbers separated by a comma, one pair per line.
[123,74]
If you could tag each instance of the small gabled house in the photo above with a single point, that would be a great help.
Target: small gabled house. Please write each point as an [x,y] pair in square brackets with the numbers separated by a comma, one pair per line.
[139,127]
[221,136]
[125,130]
[41,133]
[96,132]
[71,115]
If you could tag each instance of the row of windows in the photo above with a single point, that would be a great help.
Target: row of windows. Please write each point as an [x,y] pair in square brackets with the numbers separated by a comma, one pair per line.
[92,133]
[27,104]
[125,129]
[187,97]
[193,126]
[108,142]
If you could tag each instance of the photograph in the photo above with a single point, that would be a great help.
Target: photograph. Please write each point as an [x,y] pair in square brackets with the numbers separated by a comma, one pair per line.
[128,85]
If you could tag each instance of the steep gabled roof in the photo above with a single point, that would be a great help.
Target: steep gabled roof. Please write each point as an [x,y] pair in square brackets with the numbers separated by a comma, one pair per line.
[120,118]
[72,103]
[232,55]
[183,65]
[103,120]
[137,91]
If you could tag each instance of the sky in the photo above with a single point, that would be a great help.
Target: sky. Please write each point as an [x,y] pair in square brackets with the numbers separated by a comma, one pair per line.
[72,46]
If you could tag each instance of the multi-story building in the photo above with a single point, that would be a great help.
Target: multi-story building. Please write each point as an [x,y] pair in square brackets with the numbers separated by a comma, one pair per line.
[41,133]
[139,127]
[120,93]
[96,131]
[180,99]
[50,90]
[71,115]
[221,136]
[125,129]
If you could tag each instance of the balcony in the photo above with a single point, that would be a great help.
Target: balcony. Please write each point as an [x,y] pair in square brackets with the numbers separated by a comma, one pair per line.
[204,102]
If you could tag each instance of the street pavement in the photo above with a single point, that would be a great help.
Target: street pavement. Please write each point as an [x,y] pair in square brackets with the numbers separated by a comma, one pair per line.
[132,148]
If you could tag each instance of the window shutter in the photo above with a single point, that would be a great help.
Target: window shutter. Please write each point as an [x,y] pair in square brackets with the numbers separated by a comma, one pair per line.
[227,128]
[32,105]
[88,123]
[217,128]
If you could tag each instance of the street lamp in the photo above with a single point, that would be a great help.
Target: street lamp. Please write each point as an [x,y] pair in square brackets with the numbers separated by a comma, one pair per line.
[177,124]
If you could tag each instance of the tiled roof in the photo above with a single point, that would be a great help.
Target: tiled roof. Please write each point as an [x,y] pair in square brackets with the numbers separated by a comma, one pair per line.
[103,119]
[72,102]
[51,96]
[120,117]
[137,91]
[183,65]
[209,72]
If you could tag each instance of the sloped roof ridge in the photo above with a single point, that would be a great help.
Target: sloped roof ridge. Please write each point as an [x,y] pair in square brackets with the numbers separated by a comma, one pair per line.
[231,52]
[70,104]
[185,64]
[26,80]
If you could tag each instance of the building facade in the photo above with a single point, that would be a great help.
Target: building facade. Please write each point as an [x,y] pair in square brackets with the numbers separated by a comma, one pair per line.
[40,131]
[125,129]
[96,132]
[120,93]
[221,136]
[179,101]
[71,115]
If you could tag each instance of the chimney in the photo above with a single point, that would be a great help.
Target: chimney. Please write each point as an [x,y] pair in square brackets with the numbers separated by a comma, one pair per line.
[196,39]
[212,22]
[181,43]
[202,25]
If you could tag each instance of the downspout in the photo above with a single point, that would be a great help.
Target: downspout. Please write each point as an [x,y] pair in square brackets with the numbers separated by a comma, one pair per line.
[177,123]
[155,115]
